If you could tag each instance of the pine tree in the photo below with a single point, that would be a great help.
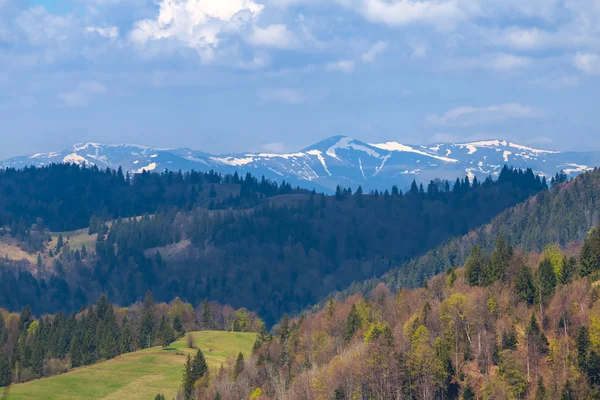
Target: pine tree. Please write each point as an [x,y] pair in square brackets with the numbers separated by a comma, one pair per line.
[536,335]
[503,252]
[590,253]
[188,380]
[583,346]
[476,267]
[178,325]
[546,280]
[239,366]
[59,243]
[199,366]
[353,324]
[126,338]
[160,396]
[165,332]
[148,321]
[524,286]
[284,329]
[207,317]
[5,373]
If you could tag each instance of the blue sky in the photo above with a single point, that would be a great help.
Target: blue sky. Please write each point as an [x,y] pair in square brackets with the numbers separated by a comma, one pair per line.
[277,75]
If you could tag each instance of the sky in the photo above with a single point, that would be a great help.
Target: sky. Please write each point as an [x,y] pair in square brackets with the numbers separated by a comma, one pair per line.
[278,75]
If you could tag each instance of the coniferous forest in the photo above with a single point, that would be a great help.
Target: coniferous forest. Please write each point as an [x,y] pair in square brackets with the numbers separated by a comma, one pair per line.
[242,241]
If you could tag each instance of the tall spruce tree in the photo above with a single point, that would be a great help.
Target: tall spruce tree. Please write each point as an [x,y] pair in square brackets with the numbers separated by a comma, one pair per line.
[199,366]
[207,317]
[353,324]
[5,372]
[148,321]
[476,267]
[546,281]
[188,380]
[503,252]
[239,365]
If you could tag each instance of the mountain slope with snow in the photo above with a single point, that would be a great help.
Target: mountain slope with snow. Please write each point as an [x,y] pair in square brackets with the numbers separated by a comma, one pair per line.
[339,160]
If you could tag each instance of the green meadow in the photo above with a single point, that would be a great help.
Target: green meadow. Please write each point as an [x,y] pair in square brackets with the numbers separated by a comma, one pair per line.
[136,376]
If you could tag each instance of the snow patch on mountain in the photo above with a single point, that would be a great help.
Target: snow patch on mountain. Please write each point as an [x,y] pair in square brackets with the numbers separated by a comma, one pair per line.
[74,158]
[395,146]
[349,143]
[147,168]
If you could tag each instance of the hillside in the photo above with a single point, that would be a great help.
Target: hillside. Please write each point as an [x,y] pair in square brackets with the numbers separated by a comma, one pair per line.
[338,160]
[562,215]
[139,375]
[509,325]
[271,248]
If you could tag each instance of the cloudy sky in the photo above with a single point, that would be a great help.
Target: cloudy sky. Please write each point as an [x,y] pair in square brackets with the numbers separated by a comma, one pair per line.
[236,75]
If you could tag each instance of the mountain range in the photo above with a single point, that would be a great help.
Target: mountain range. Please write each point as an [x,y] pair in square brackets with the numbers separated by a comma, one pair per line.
[338,160]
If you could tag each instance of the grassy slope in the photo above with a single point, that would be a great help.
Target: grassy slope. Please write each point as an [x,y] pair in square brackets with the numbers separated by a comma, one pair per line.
[139,375]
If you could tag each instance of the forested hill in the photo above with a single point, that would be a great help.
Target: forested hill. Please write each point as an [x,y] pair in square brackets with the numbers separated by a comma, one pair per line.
[269,251]
[563,214]
[63,197]
[514,325]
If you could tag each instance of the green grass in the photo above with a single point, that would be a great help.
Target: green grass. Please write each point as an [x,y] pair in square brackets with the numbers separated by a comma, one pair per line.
[136,376]
[76,239]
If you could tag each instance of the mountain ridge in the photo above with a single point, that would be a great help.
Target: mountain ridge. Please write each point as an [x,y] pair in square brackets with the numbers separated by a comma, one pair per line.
[337,160]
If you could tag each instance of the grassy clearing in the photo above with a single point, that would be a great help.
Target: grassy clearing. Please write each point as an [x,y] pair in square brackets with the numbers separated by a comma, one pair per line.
[136,376]
[77,239]
[12,251]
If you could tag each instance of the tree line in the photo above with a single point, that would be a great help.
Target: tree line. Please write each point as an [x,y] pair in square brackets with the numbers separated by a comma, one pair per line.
[32,347]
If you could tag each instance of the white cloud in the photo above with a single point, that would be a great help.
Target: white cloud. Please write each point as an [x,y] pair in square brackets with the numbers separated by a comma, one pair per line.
[276,36]
[443,14]
[42,28]
[109,32]
[280,95]
[588,63]
[197,24]
[525,39]
[81,95]
[469,116]
[345,66]
[374,51]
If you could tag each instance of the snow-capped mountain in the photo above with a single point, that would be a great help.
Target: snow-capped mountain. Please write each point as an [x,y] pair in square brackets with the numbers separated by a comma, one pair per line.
[337,160]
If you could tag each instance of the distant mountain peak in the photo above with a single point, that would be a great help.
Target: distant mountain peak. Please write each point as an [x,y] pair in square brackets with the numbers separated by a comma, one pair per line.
[337,160]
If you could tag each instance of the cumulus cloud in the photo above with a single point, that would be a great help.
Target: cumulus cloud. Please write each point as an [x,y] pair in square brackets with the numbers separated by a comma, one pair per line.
[276,36]
[374,51]
[588,63]
[80,96]
[469,116]
[196,24]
